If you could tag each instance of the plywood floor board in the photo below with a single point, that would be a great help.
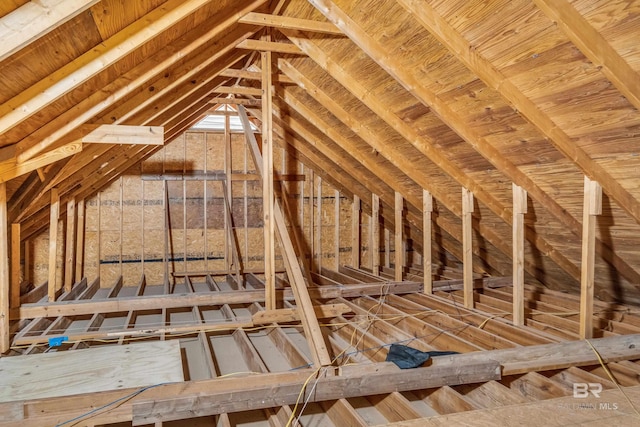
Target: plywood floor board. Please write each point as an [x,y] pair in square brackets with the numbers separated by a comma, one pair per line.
[65,373]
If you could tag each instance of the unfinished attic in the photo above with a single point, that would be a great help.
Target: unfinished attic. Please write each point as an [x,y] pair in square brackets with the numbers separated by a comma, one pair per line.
[319,213]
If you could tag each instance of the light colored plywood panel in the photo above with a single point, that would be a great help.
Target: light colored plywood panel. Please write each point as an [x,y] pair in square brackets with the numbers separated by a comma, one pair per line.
[66,373]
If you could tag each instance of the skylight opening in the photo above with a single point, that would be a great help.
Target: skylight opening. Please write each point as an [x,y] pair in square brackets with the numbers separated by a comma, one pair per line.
[215,122]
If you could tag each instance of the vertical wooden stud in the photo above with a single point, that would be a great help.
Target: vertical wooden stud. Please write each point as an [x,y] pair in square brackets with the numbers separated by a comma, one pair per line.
[387,248]
[227,187]
[79,267]
[70,246]
[319,227]
[427,209]
[336,236]
[399,256]
[519,209]
[15,265]
[355,232]
[267,182]
[467,246]
[592,207]
[375,234]
[312,240]
[53,242]
[5,282]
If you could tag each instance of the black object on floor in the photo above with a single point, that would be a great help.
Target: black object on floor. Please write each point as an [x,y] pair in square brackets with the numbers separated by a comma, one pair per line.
[406,357]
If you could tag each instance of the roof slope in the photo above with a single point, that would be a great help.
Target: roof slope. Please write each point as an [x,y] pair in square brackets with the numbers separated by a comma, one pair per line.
[413,95]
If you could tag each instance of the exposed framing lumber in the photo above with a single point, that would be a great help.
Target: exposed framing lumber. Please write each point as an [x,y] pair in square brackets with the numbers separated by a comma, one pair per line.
[262,45]
[143,75]
[333,387]
[340,161]
[5,278]
[79,260]
[443,195]
[14,167]
[375,234]
[277,21]
[427,209]
[318,231]
[126,134]
[240,90]
[267,175]
[236,101]
[35,19]
[594,46]
[126,41]
[519,209]
[310,322]
[592,207]
[404,76]
[336,228]
[54,210]
[312,218]
[16,245]
[467,246]
[154,302]
[584,36]
[355,232]
[252,75]
[399,241]
[70,245]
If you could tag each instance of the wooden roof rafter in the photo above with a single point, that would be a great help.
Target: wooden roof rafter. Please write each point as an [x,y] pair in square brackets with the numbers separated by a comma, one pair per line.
[35,19]
[594,46]
[464,51]
[348,178]
[377,52]
[343,77]
[42,94]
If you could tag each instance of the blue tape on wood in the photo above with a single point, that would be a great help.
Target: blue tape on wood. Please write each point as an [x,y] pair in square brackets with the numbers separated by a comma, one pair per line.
[57,341]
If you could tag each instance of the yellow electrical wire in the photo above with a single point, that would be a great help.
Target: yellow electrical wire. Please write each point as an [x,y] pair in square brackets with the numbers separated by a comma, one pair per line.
[606,369]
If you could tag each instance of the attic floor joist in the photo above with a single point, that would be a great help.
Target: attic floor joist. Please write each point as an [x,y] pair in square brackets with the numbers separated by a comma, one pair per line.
[536,362]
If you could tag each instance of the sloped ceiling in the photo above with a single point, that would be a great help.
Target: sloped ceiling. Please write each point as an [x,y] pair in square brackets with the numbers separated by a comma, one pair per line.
[407,95]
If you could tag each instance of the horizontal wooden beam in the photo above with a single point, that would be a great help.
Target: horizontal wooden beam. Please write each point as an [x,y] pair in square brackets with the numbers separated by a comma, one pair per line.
[277,21]
[253,75]
[240,90]
[236,101]
[269,46]
[390,379]
[115,305]
[123,134]
[291,315]
[34,19]
[12,169]
[216,176]
[260,391]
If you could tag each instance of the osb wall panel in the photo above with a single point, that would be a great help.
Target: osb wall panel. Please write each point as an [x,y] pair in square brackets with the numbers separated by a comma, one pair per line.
[40,248]
[125,229]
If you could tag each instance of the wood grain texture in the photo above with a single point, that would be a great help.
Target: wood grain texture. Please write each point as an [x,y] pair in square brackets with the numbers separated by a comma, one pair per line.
[66,373]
